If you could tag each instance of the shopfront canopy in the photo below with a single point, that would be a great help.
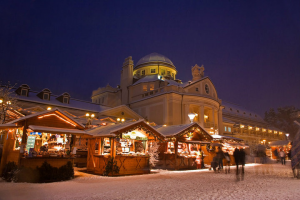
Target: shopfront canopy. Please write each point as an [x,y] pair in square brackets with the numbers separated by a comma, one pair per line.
[47,129]
[280,143]
[8,126]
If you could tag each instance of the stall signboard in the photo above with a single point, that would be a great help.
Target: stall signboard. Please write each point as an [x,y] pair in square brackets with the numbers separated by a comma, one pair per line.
[35,133]
[30,142]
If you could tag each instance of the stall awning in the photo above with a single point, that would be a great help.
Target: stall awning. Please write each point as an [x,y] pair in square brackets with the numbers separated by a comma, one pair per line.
[280,143]
[194,141]
[234,144]
[226,137]
[7,126]
[48,129]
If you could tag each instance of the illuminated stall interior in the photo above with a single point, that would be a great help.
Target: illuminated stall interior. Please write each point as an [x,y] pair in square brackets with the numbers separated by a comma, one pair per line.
[229,143]
[41,135]
[185,144]
[127,142]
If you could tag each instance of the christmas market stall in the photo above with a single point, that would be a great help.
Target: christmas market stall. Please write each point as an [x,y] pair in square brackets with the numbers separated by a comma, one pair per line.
[31,140]
[123,148]
[227,144]
[185,146]
[277,146]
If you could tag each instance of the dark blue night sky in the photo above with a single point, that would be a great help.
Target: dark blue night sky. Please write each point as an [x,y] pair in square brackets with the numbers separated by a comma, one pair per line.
[250,49]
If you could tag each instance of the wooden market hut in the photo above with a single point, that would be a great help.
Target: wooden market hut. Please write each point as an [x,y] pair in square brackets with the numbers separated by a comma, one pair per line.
[284,145]
[53,127]
[228,144]
[184,145]
[127,142]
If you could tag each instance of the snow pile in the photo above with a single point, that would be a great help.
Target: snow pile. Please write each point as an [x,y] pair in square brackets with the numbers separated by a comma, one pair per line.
[269,181]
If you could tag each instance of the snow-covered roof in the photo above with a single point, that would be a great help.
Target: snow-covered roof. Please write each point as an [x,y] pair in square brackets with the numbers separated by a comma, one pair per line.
[226,137]
[73,103]
[239,111]
[146,79]
[226,120]
[55,130]
[154,57]
[45,112]
[112,129]
[173,130]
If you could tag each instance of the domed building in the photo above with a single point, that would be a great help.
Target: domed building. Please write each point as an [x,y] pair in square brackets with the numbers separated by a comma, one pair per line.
[151,89]
[155,63]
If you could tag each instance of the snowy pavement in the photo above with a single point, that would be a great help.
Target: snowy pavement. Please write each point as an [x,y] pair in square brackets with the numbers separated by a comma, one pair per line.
[269,181]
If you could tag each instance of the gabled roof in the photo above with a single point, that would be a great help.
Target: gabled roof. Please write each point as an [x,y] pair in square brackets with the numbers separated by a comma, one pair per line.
[113,130]
[73,103]
[45,112]
[175,130]
[120,108]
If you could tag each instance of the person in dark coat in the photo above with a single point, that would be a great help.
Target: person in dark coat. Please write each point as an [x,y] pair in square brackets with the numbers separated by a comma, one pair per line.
[242,161]
[220,156]
[236,155]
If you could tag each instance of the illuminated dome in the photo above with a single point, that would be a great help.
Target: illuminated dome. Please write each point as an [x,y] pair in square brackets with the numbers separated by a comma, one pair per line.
[154,58]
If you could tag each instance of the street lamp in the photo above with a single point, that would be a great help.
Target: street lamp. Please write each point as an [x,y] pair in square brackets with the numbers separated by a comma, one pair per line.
[287,136]
[191,116]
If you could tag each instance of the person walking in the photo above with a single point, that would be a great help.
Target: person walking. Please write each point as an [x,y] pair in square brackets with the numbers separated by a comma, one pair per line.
[227,167]
[220,156]
[236,155]
[242,162]
[282,157]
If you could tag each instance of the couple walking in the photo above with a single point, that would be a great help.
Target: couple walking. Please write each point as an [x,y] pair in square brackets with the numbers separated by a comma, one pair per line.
[239,157]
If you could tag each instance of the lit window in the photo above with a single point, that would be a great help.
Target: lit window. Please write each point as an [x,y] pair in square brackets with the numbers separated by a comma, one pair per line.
[152,71]
[151,87]
[143,72]
[229,129]
[168,73]
[163,72]
[24,92]
[225,128]
[197,89]
[173,75]
[66,100]
[46,96]
[145,88]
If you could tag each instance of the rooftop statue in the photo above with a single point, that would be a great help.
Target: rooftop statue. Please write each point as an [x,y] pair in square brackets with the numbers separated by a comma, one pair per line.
[197,72]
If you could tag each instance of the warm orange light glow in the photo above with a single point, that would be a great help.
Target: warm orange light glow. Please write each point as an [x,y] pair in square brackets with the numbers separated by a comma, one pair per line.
[58,117]
[92,115]
[118,119]
[1,100]
[87,114]
[242,126]
[257,129]
[165,124]
[264,130]
[275,131]
[49,108]
[123,120]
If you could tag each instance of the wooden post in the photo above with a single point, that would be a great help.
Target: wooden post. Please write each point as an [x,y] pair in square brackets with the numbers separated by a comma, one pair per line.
[99,146]
[5,151]
[176,152]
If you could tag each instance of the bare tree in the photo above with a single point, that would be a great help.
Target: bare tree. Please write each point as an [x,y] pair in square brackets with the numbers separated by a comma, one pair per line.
[153,153]
[8,101]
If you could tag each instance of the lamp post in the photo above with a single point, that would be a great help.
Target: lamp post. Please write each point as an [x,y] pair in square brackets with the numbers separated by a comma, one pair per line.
[287,136]
[89,118]
[191,116]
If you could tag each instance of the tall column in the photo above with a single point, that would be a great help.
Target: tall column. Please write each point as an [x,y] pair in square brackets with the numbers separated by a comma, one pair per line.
[213,117]
[186,112]
[201,116]
[220,121]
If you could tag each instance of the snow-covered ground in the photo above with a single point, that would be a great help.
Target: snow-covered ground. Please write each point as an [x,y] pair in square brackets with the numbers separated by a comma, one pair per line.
[269,181]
